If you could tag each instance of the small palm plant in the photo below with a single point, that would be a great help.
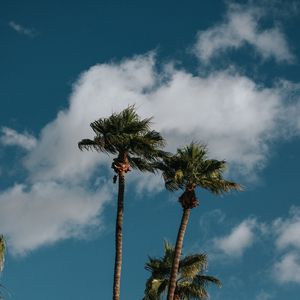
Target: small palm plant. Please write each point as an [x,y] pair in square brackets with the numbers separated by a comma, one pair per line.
[188,169]
[191,282]
[136,146]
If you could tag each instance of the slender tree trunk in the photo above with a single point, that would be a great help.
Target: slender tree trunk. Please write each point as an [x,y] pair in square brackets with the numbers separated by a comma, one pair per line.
[178,249]
[118,244]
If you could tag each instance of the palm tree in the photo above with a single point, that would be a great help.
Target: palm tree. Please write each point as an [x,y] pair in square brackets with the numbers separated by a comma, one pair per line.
[188,169]
[136,146]
[191,282]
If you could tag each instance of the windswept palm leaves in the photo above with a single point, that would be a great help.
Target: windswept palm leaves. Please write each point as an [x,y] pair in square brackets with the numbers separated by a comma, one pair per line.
[136,146]
[187,169]
[191,282]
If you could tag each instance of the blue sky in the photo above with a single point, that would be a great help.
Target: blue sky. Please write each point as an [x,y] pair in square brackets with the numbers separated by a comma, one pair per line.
[224,73]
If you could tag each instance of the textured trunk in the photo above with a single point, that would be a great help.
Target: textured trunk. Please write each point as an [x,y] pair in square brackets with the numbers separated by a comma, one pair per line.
[119,223]
[178,249]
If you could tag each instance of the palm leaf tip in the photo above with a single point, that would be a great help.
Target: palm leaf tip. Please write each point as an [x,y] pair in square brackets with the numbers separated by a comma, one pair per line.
[86,144]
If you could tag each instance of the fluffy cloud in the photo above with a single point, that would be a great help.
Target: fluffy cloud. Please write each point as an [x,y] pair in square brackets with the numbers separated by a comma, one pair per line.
[288,230]
[242,26]
[10,137]
[288,268]
[231,113]
[240,238]
[46,212]
[287,239]
[282,236]
[97,93]
[236,117]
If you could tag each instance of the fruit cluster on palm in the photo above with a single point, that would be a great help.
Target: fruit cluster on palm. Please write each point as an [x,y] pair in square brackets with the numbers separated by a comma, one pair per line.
[191,281]
[136,146]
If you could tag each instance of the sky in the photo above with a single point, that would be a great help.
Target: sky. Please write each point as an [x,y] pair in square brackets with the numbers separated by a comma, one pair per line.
[224,73]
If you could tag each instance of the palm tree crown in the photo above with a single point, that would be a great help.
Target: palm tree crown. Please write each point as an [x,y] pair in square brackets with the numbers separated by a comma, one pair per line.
[191,282]
[128,136]
[189,168]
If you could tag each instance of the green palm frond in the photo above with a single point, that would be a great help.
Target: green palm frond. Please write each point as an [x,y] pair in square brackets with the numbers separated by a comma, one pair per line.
[126,132]
[155,288]
[141,164]
[204,280]
[191,165]
[191,265]
[128,120]
[188,291]
[192,283]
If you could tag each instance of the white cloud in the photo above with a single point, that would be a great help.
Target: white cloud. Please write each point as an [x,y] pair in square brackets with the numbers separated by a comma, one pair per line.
[240,27]
[231,113]
[287,239]
[288,230]
[240,238]
[10,137]
[263,295]
[21,29]
[282,236]
[98,92]
[47,212]
[288,268]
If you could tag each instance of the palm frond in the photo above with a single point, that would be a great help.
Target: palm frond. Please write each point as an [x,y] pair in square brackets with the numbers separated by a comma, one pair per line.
[155,288]
[191,265]
[188,290]
[190,165]
[204,280]
[218,186]
[141,164]
[126,132]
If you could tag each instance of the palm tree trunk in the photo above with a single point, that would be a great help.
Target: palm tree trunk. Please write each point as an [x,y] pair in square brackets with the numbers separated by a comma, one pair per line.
[178,250]
[118,244]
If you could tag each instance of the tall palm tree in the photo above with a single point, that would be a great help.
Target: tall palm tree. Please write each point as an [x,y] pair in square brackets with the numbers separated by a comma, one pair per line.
[188,169]
[136,146]
[191,282]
